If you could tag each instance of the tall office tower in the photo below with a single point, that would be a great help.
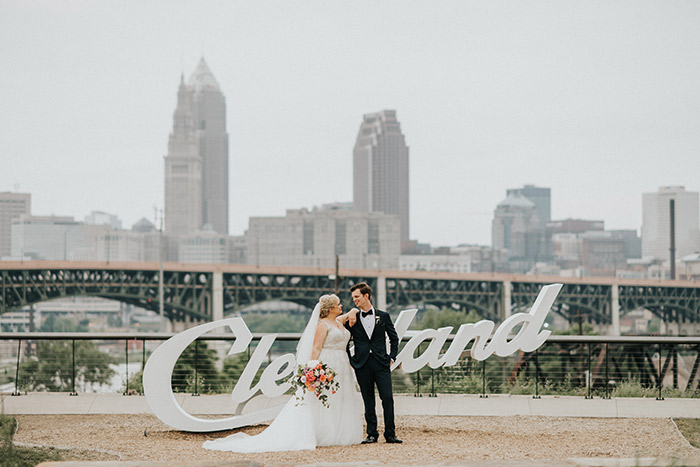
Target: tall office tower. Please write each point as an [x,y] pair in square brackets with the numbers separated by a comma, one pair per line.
[542,198]
[516,228]
[196,167]
[380,168]
[12,206]
[656,233]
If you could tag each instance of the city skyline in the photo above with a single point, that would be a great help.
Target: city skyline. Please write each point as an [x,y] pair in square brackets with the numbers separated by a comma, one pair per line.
[598,104]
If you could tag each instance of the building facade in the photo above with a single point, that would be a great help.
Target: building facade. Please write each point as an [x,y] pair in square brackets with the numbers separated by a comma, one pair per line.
[436,263]
[196,166]
[380,168]
[63,238]
[656,221]
[516,228]
[540,196]
[205,247]
[12,206]
[46,237]
[313,238]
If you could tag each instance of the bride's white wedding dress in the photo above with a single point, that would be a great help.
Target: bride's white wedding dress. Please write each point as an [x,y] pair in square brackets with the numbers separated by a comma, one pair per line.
[305,425]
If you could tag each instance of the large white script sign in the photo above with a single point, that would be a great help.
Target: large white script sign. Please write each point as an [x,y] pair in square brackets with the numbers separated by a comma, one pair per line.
[158,373]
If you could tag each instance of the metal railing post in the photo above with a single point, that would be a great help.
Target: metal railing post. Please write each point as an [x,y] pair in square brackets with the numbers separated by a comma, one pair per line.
[196,373]
[537,377]
[418,394]
[126,353]
[674,349]
[589,380]
[607,378]
[19,352]
[73,393]
[483,380]
[432,382]
[658,379]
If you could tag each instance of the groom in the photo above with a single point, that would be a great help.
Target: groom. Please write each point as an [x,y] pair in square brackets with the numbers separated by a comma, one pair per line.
[371,362]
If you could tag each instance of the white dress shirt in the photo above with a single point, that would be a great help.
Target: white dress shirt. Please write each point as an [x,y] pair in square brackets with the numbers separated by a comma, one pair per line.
[368,322]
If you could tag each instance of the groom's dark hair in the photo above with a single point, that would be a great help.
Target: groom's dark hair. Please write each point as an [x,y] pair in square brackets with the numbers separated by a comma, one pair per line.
[363,287]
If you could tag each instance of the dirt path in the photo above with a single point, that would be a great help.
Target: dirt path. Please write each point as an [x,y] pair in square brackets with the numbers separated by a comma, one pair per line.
[426,440]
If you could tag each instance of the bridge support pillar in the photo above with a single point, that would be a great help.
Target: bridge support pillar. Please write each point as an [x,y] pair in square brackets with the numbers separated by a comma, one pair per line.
[381,293]
[615,309]
[506,301]
[217,296]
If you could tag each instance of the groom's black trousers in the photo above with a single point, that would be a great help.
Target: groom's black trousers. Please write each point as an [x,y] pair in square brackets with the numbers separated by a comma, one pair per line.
[368,375]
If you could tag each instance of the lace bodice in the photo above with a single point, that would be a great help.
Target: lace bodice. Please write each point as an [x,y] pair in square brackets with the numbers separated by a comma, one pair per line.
[336,339]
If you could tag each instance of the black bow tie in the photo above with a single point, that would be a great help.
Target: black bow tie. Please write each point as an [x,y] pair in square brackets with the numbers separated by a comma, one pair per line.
[365,313]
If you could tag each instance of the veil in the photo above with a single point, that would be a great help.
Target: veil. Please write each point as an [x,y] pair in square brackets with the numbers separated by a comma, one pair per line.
[306,342]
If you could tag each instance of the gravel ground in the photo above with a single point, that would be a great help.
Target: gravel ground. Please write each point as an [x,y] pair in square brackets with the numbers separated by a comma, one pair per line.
[427,440]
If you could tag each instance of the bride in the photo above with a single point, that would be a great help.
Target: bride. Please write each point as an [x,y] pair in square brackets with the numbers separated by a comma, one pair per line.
[307,424]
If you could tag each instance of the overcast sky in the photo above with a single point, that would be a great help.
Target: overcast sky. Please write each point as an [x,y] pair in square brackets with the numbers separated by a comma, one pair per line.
[598,100]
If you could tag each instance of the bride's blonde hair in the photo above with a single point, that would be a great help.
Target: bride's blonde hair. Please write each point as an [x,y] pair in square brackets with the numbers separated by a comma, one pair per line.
[327,302]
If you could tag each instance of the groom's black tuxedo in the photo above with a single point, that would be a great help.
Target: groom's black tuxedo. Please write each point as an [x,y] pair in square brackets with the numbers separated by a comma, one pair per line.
[372,366]
[374,345]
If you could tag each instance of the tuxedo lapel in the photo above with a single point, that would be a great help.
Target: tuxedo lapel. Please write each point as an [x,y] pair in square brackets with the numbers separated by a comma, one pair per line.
[377,319]
[364,331]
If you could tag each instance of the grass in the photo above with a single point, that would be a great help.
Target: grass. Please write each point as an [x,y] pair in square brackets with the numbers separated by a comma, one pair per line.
[19,456]
[690,428]
[635,389]
[14,456]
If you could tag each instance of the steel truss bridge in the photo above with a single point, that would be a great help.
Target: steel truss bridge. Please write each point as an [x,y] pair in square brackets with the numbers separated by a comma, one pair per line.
[197,293]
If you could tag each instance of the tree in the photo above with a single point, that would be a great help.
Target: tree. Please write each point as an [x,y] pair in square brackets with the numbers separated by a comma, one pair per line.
[52,367]
[115,321]
[436,319]
[54,324]
[275,322]
[232,370]
[200,355]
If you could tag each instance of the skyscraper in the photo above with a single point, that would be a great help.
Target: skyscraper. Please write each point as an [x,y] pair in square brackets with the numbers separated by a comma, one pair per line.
[656,230]
[380,168]
[524,230]
[515,228]
[542,198]
[196,167]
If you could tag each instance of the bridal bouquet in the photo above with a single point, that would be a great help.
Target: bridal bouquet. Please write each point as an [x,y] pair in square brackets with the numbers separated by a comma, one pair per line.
[318,378]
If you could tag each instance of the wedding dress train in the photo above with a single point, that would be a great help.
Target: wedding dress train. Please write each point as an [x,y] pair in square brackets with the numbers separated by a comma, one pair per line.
[307,424]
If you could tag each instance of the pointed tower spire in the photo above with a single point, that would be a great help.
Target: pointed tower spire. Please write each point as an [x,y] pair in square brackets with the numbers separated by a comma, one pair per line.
[203,78]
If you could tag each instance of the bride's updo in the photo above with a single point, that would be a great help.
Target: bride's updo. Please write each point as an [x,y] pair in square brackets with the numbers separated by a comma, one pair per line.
[327,302]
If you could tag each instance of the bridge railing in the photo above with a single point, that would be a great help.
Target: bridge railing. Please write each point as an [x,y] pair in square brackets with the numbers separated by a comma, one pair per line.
[586,366]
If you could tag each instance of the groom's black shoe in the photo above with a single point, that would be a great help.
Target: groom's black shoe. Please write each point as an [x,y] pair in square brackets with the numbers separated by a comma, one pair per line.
[370,439]
[393,440]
